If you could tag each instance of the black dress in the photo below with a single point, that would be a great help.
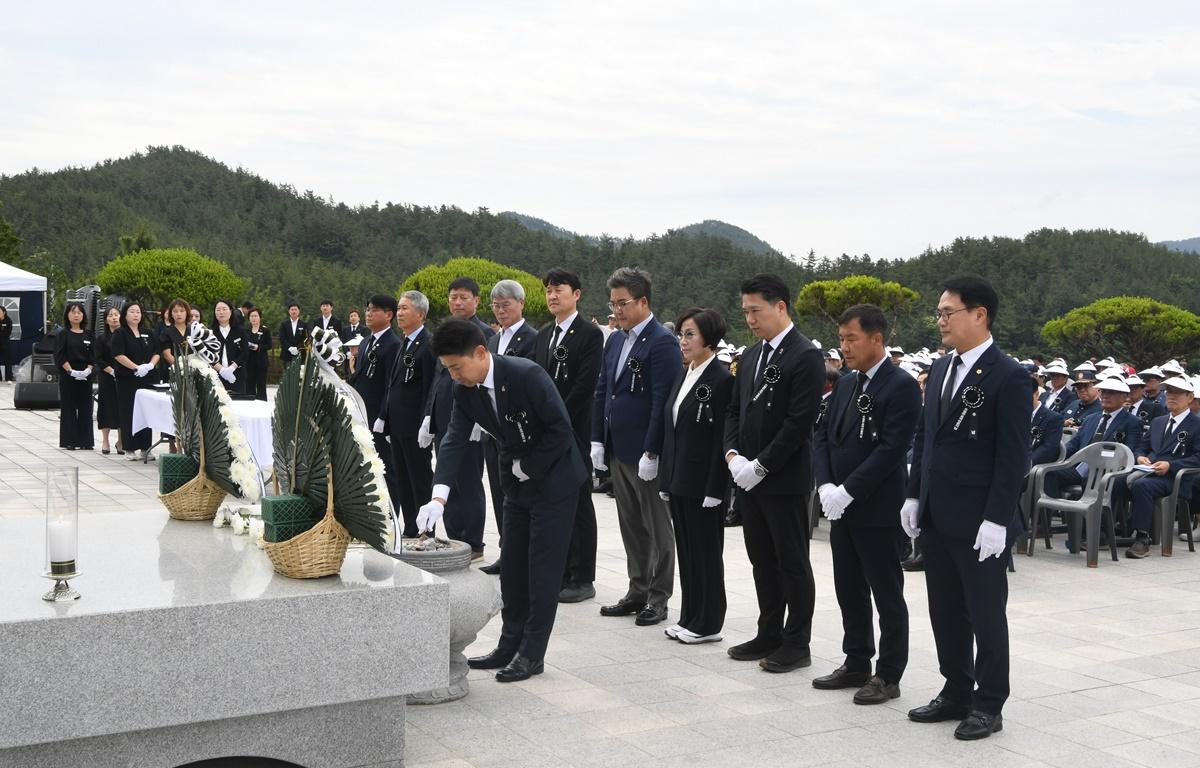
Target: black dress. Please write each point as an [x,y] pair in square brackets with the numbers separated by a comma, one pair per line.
[139,349]
[172,339]
[74,396]
[257,361]
[107,415]
[6,326]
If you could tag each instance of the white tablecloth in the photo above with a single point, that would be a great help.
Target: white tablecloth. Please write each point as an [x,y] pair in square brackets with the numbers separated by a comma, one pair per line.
[153,409]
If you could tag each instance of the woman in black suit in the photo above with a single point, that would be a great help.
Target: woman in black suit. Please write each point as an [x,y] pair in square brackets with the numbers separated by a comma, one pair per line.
[692,476]
[258,341]
[175,333]
[73,357]
[136,354]
[231,357]
[6,329]
[107,415]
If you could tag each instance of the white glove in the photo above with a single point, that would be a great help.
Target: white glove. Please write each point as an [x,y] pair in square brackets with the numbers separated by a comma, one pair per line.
[647,468]
[378,426]
[77,375]
[710,502]
[518,472]
[598,456]
[87,372]
[142,370]
[428,515]
[424,434]
[748,477]
[293,351]
[476,434]
[227,374]
[664,496]
[737,464]
[834,501]
[909,514]
[991,541]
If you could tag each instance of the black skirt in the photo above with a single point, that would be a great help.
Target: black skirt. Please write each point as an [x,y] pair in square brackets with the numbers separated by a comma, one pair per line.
[107,414]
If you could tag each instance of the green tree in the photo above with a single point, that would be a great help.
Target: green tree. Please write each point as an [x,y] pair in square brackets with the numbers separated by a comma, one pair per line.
[1132,328]
[434,281]
[828,299]
[158,275]
[142,241]
[10,243]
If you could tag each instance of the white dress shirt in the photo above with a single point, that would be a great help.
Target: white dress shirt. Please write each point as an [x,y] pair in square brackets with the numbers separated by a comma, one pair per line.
[506,336]
[968,360]
[689,382]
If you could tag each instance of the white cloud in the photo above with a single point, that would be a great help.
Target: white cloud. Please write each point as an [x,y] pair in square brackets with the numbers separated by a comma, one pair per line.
[875,127]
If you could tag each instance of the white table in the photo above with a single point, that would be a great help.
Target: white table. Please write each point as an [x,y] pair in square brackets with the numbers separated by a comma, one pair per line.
[152,408]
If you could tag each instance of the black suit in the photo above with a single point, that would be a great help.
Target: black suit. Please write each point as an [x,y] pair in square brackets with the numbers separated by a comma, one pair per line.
[867,455]
[466,506]
[257,361]
[529,424]
[574,377]
[1045,436]
[288,339]
[370,381]
[692,468]
[966,471]
[235,350]
[521,344]
[350,331]
[403,409]
[776,429]
[334,323]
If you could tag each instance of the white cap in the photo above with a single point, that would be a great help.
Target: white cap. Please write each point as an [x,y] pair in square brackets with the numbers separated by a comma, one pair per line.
[1110,373]
[895,350]
[1134,381]
[816,343]
[1153,370]
[1086,365]
[1172,366]
[834,354]
[1113,384]
[1057,367]
[1180,382]
[354,341]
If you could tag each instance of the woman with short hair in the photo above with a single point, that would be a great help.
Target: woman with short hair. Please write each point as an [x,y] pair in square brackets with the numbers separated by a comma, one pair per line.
[136,354]
[73,358]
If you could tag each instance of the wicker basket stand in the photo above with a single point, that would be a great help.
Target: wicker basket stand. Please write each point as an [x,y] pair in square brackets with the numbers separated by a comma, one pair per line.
[197,499]
[317,552]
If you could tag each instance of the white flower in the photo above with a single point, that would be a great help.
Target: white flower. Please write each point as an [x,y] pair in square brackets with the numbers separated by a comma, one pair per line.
[256,531]
[219,519]
[238,523]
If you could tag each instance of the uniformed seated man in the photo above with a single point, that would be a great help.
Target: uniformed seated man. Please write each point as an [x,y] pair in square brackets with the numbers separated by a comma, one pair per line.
[1088,398]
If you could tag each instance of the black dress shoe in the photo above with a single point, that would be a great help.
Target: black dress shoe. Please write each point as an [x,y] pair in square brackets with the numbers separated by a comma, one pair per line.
[520,668]
[842,677]
[753,650]
[623,607]
[937,711]
[576,593]
[651,615]
[494,660]
[786,659]
[979,725]
[877,691]
[492,569]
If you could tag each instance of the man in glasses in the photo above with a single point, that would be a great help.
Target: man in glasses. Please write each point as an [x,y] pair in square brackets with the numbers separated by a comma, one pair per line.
[1087,399]
[639,369]
[970,457]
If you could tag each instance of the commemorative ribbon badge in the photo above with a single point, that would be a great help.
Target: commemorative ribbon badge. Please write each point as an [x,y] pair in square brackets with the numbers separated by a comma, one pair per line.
[703,393]
[772,375]
[865,407]
[972,398]
[560,363]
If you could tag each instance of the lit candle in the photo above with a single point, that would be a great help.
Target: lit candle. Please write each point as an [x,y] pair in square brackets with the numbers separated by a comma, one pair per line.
[61,540]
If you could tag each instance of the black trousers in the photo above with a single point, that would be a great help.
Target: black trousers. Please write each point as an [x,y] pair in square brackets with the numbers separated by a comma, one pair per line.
[6,363]
[537,534]
[384,449]
[866,562]
[699,548]
[967,602]
[491,459]
[256,380]
[414,479]
[127,387]
[581,556]
[776,532]
[465,509]
[75,412]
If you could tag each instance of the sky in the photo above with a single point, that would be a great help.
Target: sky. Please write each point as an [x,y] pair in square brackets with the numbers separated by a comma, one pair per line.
[868,127]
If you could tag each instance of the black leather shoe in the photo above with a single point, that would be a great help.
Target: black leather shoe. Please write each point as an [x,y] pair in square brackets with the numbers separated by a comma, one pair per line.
[494,660]
[492,569]
[839,678]
[623,607]
[786,659]
[877,691]
[576,593]
[979,725]
[651,615]
[937,711]
[753,650]
[520,668]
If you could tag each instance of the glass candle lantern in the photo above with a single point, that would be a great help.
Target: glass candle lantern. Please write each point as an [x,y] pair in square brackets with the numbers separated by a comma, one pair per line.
[62,531]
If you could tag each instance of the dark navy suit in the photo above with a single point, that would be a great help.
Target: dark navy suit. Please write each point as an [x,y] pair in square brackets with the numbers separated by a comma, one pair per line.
[403,408]
[370,381]
[1077,411]
[1062,401]
[1045,432]
[627,419]
[529,423]
[1123,427]
[962,480]
[872,466]
[520,345]
[1181,450]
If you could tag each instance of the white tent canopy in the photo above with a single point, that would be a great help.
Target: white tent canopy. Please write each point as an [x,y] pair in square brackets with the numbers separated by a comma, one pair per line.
[14,280]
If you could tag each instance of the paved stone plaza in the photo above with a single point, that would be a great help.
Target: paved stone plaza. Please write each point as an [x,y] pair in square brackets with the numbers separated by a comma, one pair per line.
[1105,667]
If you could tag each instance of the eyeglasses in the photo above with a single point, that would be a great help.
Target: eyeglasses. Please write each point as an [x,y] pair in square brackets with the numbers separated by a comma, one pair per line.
[615,305]
[940,315]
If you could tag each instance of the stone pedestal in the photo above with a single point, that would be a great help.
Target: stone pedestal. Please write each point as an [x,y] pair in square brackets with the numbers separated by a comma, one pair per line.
[186,646]
[474,600]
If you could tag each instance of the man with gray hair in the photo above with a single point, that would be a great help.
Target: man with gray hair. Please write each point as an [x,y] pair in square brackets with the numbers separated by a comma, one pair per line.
[516,338]
[640,365]
[403,408]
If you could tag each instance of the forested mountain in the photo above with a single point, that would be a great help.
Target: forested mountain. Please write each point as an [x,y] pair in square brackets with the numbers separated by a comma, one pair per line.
[292,244]
[1192,244]
[541,225]
[738,236]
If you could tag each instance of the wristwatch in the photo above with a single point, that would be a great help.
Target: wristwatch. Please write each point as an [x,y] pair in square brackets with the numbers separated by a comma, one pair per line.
[759,469]
[651,456]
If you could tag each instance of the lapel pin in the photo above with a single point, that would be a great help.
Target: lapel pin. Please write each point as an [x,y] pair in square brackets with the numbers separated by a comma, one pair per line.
[978,371]
[503,387]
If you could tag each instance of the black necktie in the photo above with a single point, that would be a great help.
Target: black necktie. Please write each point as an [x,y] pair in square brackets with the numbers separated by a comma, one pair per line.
[554,339]
[1101,429]
[763,361]
[948,389]
[1170,430]
[848,419]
